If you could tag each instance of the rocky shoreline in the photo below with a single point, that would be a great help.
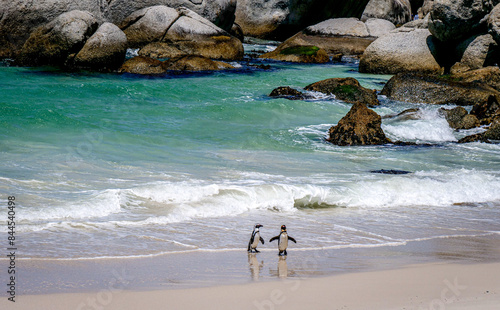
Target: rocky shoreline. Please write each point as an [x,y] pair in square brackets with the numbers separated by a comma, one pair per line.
[447,56]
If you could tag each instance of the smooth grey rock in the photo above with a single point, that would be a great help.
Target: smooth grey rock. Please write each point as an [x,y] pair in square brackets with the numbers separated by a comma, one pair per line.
[280,19]
[19,18]
[477,52]
[401,51]
[148,24]
[339,26]
[378,27]
[219,12]
[53,43]
[105,49]
[396,11]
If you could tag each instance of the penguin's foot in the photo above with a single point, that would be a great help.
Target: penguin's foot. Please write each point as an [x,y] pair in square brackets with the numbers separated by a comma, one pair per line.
[256,251]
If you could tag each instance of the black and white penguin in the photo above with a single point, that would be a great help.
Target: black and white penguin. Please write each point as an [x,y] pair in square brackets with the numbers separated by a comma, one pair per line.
[254,239]
[283,238]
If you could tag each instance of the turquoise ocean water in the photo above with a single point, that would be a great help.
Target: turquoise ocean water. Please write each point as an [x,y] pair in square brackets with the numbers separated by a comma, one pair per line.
[108,165]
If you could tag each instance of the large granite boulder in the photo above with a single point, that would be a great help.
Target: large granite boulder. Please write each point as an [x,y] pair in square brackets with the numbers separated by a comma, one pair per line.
[402,50]
[19,18]
[219,12]
[105,49]
[180,31]
[397,12]
[346,89]
[418,88]
[476,52]
[454,20]
[338,36]
[55,42]
[148,25]
[279,19]
[361,126]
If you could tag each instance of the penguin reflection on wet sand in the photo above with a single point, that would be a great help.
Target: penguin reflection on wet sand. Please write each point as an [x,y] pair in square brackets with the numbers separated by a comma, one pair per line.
[283,238]
[254,239]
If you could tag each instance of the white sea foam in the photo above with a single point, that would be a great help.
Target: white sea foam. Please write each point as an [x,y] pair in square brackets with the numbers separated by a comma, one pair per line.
[95,205]
[431,127]
[171,202]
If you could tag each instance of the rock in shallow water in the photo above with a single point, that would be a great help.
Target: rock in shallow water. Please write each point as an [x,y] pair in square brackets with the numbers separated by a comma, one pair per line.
[288,93]
[418,88]
[361,126]
[346,89]
[390,171]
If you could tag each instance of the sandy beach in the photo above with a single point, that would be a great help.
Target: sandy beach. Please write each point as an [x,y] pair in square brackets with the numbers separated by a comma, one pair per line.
[456,273]
[428,286]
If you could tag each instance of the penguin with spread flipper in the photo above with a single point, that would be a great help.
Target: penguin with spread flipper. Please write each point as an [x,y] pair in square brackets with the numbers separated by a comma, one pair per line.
[283,238]
[254,239]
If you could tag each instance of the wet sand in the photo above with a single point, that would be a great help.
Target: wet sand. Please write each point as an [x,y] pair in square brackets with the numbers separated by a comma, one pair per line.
[451,273]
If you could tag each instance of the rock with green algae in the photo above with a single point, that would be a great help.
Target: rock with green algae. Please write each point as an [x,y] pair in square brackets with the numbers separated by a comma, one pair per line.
[345,89]
[301,54]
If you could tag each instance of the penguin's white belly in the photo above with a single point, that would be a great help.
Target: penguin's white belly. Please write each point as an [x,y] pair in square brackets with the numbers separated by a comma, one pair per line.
[283,242]
[256,240]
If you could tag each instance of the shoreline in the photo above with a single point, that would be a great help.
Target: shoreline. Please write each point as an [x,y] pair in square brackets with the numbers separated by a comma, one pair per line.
[423,286]
[200,272]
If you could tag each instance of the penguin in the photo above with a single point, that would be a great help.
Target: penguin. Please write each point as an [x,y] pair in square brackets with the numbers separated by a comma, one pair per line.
[283,238]
[254,239]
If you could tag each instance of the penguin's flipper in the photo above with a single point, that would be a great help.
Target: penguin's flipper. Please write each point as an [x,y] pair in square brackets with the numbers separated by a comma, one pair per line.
[262,240]
[290,238]
[273,238]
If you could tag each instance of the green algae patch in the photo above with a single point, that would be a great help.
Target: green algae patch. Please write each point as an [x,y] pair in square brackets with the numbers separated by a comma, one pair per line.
[308,50]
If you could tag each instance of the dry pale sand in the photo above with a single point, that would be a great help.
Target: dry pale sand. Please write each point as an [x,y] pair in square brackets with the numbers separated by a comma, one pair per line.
[429,286]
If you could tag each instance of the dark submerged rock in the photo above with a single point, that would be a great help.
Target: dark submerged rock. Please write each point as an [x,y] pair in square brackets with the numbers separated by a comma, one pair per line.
[361,126]
[288,93]
[391,171]
[346,89]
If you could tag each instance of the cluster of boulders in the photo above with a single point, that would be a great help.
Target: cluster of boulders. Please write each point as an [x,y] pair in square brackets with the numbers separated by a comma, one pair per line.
[453,36]
[459,38]
[334,37]
[82,39]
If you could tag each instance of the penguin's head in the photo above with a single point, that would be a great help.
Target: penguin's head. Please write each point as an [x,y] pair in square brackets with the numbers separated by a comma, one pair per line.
[257,226]
[283,228]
